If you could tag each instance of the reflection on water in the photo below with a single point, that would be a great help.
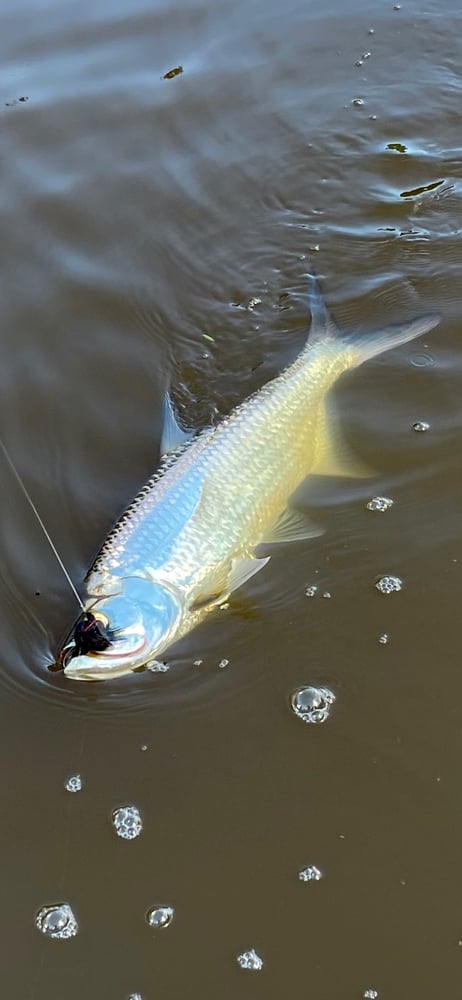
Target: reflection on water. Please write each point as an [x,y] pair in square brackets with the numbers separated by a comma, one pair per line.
[169,174]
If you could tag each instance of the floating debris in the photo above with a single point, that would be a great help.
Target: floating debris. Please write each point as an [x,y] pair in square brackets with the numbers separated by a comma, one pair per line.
[10,104]
[384,639]
[223,663]
[312,704]
[310,874]
[379,503]
[57,921]
[173,72]
[127,822]
[311,591]
[253,303]
[74,783]
[389,584]
[207,336]
[250,960]
[421,426]
[160,916]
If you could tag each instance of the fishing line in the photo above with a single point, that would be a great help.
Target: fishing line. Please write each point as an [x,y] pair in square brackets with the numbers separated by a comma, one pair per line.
[39,519]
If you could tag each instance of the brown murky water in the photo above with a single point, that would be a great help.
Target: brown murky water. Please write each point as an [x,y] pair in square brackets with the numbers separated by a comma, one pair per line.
[142,216]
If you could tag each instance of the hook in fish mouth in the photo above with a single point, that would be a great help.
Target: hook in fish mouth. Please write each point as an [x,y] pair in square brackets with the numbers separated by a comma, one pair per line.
[88,637]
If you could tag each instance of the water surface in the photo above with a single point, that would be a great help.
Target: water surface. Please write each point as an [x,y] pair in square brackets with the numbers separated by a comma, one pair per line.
[156,228]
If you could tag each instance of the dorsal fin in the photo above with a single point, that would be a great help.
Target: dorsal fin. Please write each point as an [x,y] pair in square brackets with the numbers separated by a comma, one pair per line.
[173,436]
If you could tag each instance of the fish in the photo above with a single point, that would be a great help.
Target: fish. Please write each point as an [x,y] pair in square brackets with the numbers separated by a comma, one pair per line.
[206,521]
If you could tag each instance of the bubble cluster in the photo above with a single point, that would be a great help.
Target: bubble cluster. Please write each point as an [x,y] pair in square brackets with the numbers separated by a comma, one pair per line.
[57,921]
[135,996]
[158,668]
[384,638]
[127,822]
[379,503]
[223,663]
[370,994]
[389,584]
[312,704]
[74,783]
[160,916]
[250,960]
[311,591]
[310,874]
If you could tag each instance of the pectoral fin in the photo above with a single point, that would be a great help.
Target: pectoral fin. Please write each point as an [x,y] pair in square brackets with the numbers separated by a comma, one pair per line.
[334,456]
[242,568]
[292,526]
[172,434]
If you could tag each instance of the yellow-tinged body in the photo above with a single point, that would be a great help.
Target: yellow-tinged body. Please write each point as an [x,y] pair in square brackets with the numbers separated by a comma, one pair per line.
[194,532]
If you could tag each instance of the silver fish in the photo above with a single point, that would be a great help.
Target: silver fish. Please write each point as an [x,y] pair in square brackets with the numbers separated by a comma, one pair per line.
[195,533]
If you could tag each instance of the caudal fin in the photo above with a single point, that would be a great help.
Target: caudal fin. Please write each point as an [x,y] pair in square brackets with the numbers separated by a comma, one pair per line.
[322,324]
[369,344]
[372,344]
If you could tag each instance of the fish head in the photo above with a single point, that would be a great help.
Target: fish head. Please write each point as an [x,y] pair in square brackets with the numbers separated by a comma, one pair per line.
[121,632]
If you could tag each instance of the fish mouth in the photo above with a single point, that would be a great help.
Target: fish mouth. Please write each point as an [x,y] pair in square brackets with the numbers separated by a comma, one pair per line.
[106,665]
[103,651]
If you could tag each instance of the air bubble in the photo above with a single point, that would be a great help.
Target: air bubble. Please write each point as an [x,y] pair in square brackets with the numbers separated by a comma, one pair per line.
[197,663]
[384,639]
[223,663]
[74,783]
[389,584]
[127,822]
[250,960]
[310,874]
[421,426]
[135,996]
[158,668]
[160,916]
[380,503]
[312,704]
[57,921]
[358,102]
[422,360]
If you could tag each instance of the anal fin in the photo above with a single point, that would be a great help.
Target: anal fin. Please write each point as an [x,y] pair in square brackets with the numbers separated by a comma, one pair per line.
[334,455]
